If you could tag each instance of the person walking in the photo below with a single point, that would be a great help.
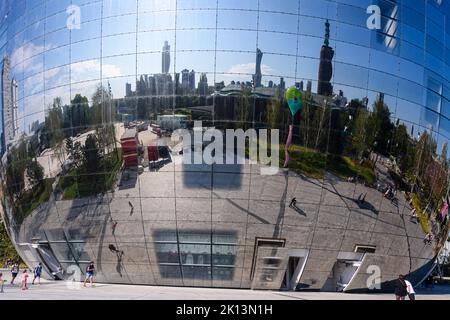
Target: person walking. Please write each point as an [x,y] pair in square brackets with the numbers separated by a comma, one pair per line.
[410,290]
[14,272]
[400,288]
[37,273]
[24,279]
[89,274]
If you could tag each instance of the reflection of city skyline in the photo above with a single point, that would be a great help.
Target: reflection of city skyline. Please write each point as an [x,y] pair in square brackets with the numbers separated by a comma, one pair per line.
[96,108]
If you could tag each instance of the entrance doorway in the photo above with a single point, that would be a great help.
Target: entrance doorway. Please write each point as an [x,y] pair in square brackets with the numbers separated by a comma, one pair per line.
[294,269]
[49,260]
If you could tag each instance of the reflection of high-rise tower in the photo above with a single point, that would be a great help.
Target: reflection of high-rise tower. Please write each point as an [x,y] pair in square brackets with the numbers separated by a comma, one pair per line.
[192,80]
[166,57]
[257,77]
[185,79]
[10,104]
[324,86]
[203,85]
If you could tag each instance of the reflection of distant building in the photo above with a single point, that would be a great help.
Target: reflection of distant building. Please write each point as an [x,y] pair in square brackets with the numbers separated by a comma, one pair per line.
[166,57]
[188,80]
[270,84]
[10,104]
[192,80]
[203,85]
[309,86]
[282,83]
[324,86]
[172,122]
[299,85]
[257,77]
[128,92]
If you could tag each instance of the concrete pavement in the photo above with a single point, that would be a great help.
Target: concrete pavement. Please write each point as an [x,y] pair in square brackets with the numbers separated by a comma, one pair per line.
[64,290]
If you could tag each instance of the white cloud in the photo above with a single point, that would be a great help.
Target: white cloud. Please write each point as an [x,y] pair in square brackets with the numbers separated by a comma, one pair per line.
[90,70]
[249,68]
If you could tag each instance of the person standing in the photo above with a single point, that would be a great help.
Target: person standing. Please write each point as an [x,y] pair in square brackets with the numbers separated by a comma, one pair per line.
[400,288]
[89,274]
[24,279]
[37,273]
[14,272]
[410,290]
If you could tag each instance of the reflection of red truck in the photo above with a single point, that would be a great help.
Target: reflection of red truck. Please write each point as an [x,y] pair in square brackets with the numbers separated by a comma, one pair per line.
[129,142]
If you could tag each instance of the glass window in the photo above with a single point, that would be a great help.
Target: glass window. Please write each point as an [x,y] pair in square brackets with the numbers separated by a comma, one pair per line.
[88,30]
[116,8]
[237,19]
[154,41]
[195,19]
[119,24]
[350,75]
[381,82]
[278,22]
[157,5]
[79,52]
[273,42]
[111,47]
[236,40]
[149,21]
[245,4]
[195,4]
[196,40]
[57,57]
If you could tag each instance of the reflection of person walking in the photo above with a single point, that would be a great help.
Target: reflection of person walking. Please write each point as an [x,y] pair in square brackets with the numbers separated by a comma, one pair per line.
[293,202]
[14,272]
[1,282]
[24,279]
[89,274]
[400,288]
[37,273]
[410,290]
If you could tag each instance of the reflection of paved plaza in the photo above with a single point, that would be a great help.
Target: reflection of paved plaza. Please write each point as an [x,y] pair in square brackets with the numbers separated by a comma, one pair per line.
[326,221]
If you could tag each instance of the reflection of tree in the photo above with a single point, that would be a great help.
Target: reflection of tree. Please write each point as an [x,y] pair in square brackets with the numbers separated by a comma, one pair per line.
[91,155]
[35,173]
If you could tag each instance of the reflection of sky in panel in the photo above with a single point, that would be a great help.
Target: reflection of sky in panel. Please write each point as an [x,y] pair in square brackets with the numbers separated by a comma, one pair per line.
[118,85]
[198,61]
[150,63]
[111,47]
[88,30]
[227,40]
[153,41]
[196,40]
[62,92]
[156,21]
[236,40]
[307,68]
[113,7]
[277,43]
[119,24]
[193,19]
[408,111]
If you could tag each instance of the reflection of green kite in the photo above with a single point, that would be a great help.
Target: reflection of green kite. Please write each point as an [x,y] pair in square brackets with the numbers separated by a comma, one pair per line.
[294,98]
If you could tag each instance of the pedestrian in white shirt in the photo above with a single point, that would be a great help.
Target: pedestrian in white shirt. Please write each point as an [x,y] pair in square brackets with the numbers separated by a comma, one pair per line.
[410,289]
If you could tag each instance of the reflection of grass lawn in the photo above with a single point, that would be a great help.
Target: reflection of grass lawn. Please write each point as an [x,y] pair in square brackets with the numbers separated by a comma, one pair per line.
[422,216]
[33,198]
[313,163]
[78,184]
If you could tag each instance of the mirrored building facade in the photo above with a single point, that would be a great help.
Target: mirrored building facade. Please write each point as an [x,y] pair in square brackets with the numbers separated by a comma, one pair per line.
[93,89]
